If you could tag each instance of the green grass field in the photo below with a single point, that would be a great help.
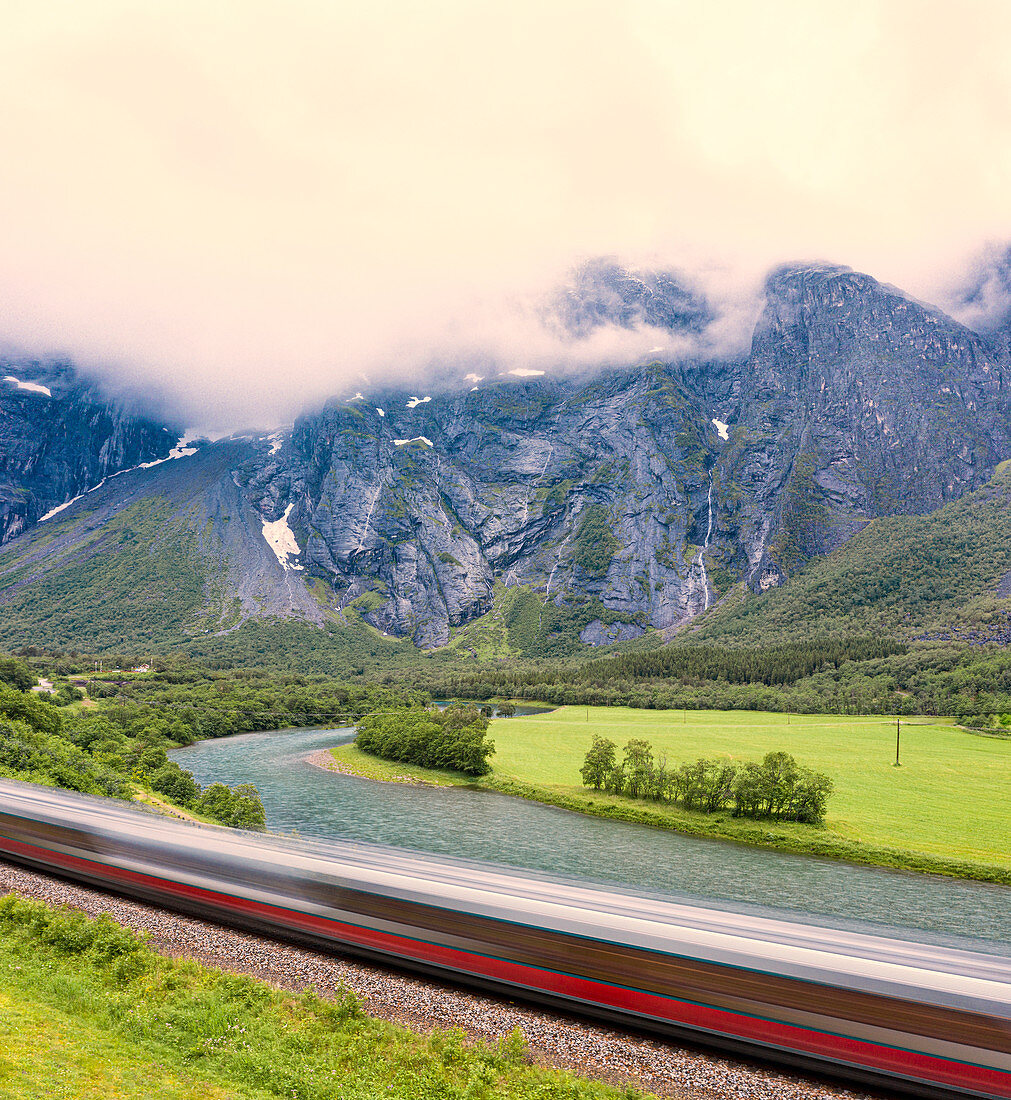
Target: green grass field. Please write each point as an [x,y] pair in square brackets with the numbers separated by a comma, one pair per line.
[948,799]
[88,1011]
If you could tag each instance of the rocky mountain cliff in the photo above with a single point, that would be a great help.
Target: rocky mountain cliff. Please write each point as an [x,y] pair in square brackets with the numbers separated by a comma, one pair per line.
[856,401]
[60,436]
[636,498]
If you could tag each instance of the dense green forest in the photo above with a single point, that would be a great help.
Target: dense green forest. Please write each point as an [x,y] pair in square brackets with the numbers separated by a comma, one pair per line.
[118,745]
[827,677]
[453,738]
[99,753]
[188,702]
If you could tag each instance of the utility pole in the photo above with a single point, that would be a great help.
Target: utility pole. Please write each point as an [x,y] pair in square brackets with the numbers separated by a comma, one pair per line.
[897,730]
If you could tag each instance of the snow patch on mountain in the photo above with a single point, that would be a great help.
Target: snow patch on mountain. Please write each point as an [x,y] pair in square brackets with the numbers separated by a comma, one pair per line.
[281,539]
[182,449]
[416,439]
[721,428]
[29,387]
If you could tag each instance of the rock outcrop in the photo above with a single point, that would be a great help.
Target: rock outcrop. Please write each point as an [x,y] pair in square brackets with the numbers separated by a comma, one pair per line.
[856,401]
[59,436]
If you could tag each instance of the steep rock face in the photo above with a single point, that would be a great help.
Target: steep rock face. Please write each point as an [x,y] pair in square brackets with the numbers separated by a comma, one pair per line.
[597,492]
[856,402]
[604,292]
[620,496]
[59,437]
[634,499]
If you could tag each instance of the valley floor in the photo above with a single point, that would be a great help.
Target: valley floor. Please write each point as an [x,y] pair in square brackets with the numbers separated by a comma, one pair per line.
[942,811]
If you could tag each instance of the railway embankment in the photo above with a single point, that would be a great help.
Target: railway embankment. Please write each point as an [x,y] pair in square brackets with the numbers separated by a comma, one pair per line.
[442,1023]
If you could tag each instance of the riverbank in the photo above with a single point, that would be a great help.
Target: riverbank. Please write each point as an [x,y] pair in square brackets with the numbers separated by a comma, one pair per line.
[915,818]
[761,834]
[350,760]
[166,807]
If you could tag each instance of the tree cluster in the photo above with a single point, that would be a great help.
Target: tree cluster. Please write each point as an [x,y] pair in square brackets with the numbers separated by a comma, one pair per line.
[94,753]
[777,788]
[455,738]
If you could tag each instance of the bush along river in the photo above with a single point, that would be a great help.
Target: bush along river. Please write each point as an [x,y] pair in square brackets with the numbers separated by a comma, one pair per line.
[301,799]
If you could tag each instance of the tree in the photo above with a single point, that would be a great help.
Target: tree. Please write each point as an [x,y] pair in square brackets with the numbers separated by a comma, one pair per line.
[16,673]
[779,775]
[177,784]
[810,796]
[717,784]
[598,763]
[638,766]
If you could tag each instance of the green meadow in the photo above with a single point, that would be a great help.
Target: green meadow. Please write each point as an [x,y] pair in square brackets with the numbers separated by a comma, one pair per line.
[947,802]
[88,1010]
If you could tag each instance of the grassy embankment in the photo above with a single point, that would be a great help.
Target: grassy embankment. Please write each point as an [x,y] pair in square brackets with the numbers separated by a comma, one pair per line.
[943,811]
[87,1010]
[350,759]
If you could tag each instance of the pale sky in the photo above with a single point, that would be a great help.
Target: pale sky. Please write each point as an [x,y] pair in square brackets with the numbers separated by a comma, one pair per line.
[255,204]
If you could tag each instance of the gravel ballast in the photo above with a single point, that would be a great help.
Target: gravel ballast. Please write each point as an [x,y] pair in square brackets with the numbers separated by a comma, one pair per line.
[590,1050]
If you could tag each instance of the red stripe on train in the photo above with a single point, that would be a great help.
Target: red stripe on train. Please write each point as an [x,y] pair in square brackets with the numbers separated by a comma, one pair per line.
[923,1067]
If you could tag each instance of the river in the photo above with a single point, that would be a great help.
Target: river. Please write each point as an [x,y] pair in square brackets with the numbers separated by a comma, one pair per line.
[301,799]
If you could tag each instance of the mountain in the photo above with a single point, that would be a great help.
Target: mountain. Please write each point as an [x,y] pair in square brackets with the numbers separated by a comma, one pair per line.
[59,435]
[856,402]
[943,576]
[531,514]
[603,292]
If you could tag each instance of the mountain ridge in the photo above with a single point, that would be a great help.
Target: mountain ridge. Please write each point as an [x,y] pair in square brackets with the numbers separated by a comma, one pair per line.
[631,501]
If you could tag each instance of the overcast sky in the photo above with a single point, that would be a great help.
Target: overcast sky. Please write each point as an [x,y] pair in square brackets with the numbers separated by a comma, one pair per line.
[255,203]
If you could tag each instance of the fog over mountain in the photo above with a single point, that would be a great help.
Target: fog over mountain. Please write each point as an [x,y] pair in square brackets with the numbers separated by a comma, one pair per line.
[255,208]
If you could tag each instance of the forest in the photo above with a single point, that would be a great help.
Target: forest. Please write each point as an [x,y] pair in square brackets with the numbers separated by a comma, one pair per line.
[110,733]
[823,676]
[453,738]
[99,754]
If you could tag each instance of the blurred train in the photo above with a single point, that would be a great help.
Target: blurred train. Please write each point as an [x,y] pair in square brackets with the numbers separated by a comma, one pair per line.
[918,1018]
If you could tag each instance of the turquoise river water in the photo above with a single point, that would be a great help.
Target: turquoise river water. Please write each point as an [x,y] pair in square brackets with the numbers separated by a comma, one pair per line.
[305,800]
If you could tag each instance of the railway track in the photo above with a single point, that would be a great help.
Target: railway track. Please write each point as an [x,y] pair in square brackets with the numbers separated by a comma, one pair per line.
[909,1017]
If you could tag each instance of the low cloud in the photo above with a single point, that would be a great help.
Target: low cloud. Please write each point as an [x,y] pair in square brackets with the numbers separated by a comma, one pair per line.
[252,207]
[980,295]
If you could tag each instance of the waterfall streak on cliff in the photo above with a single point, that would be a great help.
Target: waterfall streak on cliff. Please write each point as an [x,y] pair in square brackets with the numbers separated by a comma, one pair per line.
[558,561]
[705,546]
[368,518]
[526,502]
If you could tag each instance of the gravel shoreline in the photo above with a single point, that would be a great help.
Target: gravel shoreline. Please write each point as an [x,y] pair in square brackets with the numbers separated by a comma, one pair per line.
[422,1004]
[324,759]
